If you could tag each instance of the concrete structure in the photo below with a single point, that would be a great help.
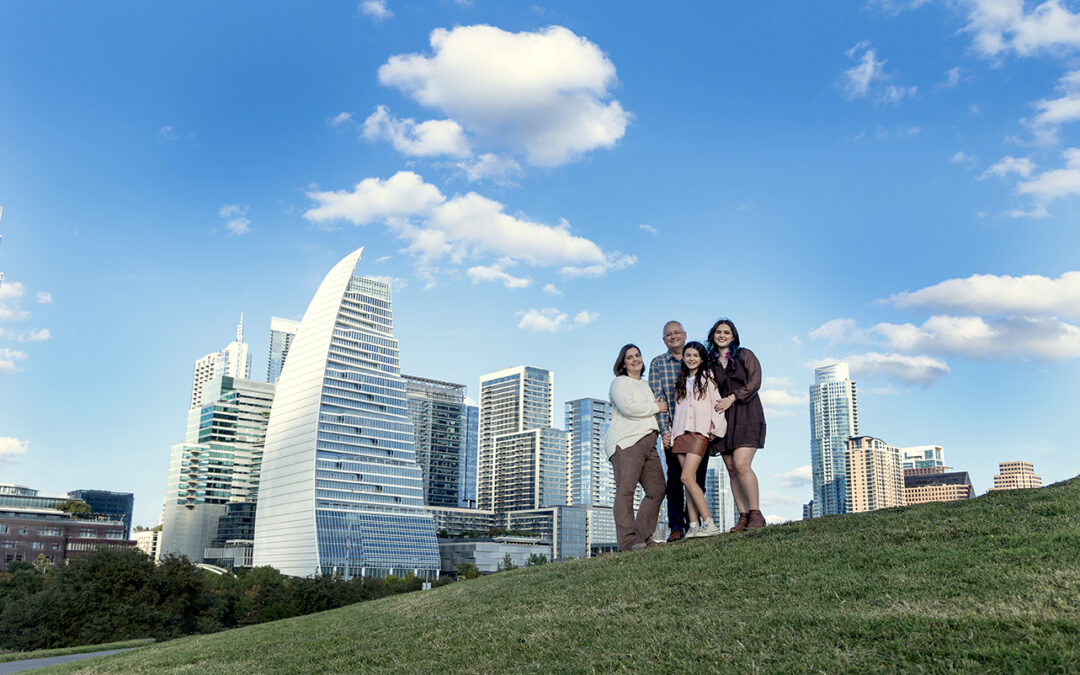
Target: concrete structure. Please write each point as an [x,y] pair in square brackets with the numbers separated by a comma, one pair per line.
[27,532]
[874,477]
[456,521]
[718,495]
[113,505]
[219,462]
[1016,475]
[922,456]
[439,417]
[530,470]
[936,484]
[834,418]
[282,332]
[232,361]
[340,490]
[488,553]
[149,542]
[512,400]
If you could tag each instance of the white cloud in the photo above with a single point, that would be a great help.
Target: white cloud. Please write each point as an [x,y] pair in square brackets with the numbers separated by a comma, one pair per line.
[376,9]
[490,166]
[839,331]
[992,294]
[648,228]
[550,289]
[395,283]
[8,358]
[857,79]
[545,94]
[11,449]
[43,297]
[426,139]
[952,78]
[10,310]
[549,320]
[170,134]
[1056,183]
[1022,166]
[12,290]
[381,259]
[339,119]
[237,224]
[962,157]
[978,338]
[803,475]
[922,370]
[1052,113]
[1038,211]
[40,335]
[497,273]
[1003,25]
[584,318]
[775,519]
[465,226]
[894,7]
[781,398]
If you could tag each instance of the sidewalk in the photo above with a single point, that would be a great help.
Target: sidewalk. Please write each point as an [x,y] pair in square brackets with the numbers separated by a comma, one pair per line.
[31,664]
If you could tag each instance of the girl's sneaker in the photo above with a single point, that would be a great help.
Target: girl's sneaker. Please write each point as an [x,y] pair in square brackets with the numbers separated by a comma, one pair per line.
[708,529]
[693,531]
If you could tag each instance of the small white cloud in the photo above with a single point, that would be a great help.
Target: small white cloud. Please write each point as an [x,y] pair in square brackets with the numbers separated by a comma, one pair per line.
[376,9]
[1036,212]
[962,157]
[381,259]
[339,119]
[584,318]
[11,449]
[489,166]
[1057,183]
[999,294]
[988,339]
[952,78]
[802,475]
[648,228]
[1022,166]
[426,139]
[867,79]
[774,519]
[237,224]
[1004,25]
[922,370]
[497,273]
[781,398]
[395,283]
[8,357]
[43,297]
[549,320]
[170,134]
[12,290]
[40,335]
[839,331]
[550,289]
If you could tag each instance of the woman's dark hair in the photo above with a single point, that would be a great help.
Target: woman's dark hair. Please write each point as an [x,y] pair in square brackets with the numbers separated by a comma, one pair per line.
[620,366]
[700,378]
[714,351]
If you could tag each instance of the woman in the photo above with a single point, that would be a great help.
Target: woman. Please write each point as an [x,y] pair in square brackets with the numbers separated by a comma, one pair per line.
[738,374]
[695,423]
[631,448]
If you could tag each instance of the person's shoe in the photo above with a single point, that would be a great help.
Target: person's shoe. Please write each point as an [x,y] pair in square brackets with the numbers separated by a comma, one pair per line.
[693,532]
[755,520]
[657,538]
[639,546]
[708,529]
[675,535]
[744,520]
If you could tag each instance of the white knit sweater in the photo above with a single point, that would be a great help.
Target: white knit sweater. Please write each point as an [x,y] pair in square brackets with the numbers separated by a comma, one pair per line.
[633,415]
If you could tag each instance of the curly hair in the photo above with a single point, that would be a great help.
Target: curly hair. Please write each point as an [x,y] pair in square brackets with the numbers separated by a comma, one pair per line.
[701,378]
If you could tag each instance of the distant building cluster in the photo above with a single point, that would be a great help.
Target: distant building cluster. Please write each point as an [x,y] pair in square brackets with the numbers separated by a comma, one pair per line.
[854,473]
[340,464]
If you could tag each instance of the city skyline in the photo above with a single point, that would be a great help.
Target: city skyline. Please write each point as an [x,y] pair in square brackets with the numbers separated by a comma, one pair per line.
[894,197]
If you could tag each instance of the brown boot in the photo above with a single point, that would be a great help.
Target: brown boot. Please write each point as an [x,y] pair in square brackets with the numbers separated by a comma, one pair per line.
[756,520]
[744,520]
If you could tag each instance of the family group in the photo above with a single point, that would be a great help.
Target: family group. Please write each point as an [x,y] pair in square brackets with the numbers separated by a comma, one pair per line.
[699,401]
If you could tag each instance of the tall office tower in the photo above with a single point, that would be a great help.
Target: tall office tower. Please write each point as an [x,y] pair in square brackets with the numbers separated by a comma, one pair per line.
[834,418]
[529,470]
[470,449]
[282,332]
[719,498]
[115,505]
[340,489]
[233,361]
[218,462]
[512,400]
[875,479]
[1016,475]
[440,430]
[923,456]
[591,480]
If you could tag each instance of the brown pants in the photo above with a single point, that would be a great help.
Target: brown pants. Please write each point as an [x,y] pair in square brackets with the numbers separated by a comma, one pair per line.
[638,463]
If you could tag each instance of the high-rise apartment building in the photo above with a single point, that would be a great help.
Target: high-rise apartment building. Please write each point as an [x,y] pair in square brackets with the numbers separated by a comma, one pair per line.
[512,401]
[875,479]
[1016,475]
[149,542]
[282,332]
[834,418]
[219,462]
[340,490]
[529,470]
[232,361]
[591,479]
[439,417]
[470,451]
[719,498]
[923,456]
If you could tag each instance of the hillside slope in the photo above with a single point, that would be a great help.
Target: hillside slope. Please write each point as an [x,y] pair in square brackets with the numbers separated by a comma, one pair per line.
[984,585]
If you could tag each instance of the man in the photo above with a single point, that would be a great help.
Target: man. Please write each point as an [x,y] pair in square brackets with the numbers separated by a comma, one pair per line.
[663,371]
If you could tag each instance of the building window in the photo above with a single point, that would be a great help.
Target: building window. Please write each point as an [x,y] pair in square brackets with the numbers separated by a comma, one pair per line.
[88,533]
[37,545]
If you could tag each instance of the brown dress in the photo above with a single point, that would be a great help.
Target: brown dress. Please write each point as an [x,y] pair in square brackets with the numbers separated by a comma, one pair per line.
[740,376]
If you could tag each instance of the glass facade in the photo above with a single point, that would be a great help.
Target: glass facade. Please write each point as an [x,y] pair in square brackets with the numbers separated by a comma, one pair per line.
[115,505]
[341,490]
[438,413]
[470,446]
[834,418]
[592,481]
[282,332]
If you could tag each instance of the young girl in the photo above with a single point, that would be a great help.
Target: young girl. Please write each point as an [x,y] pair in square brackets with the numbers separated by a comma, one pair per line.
[696,422]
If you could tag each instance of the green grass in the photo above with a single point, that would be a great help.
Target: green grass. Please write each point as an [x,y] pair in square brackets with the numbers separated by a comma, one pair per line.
[64,651]
[990,584]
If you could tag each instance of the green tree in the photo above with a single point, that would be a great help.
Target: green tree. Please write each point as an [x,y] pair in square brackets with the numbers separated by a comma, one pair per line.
[467,570]
[41,563]
[506,564]
[536,559]
[74,507]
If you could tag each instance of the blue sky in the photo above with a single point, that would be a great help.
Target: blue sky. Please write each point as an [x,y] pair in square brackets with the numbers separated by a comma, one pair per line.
[890,182]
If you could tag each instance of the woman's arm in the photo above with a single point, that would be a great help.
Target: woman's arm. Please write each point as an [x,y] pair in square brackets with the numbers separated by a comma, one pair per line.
[753,375]
[631,400]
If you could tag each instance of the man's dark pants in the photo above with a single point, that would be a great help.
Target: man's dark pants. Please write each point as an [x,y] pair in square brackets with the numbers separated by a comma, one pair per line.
[676,505]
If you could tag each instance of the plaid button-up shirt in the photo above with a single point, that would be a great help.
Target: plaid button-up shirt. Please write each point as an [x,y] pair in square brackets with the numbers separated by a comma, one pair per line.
[663,371]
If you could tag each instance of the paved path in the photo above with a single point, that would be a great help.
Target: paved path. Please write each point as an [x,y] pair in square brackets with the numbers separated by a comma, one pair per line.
[31,664]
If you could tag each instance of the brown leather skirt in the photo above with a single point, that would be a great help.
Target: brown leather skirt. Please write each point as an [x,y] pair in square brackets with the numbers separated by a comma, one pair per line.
[690,443]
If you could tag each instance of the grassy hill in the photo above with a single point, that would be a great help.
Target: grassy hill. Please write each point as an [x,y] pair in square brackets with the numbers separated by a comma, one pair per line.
[990,584]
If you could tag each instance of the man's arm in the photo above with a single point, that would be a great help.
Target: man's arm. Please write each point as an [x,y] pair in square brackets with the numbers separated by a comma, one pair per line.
[656,383]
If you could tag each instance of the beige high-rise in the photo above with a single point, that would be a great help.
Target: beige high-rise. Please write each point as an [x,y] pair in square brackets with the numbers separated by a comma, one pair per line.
[1016,475]
[875,479]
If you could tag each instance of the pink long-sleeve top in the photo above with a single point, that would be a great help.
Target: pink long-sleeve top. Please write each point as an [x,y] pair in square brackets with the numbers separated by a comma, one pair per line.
[699,414]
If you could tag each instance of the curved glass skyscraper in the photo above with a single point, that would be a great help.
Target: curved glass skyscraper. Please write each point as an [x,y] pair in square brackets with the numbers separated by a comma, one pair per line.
[341,491]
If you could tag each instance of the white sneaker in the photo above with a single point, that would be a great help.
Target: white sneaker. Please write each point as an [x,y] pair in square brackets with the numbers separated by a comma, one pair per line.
[708,529]
[693,531]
